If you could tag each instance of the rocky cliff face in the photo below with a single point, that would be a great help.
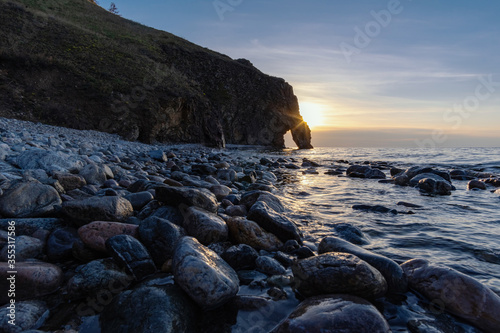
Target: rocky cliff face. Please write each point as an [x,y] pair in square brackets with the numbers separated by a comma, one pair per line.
[74,64]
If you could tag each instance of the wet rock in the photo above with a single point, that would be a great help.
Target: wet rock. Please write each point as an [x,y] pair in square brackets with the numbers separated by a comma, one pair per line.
[269,266]
[158,155]
[250,198]
[33,279]
[96,276]
[409,205]
[150,309]
[460,175]
[30,199]
[375,209]
[272,221]
[220,191]
[338,272]
[93,174]
[363,171]
[140,199]
[203,275]
[128,252]
[47,160]
[95,234]
[240,256]
[493,181]
[29,226]
[303,252]
[28,315]
[98,209]
[175,196]
[227,175]
[332,314]
[415,180]
[25,248]
[248,232]
[457,293]
[203,169]
[237,210]
[476,184]
[350,233]
[173,214]
[434,187]
[160,237]
[204,226]
[392,272]
[70,181]
[60,244]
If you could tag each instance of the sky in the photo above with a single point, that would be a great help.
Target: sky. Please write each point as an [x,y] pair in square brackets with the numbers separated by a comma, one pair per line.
[367,73]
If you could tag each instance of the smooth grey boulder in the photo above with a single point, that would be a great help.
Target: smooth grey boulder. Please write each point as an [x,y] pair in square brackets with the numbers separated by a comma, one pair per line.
[94,174]
[29,199]
[250,198]
[150,309]
[47,160]
[274,222]
[160,238]
[28,315]
[270,266]
[203,275]
[333,314]
[392,272]
[205,226]
[98,209]
[128,252]
[188,196]
[457,293]
[336,272]
[364,171]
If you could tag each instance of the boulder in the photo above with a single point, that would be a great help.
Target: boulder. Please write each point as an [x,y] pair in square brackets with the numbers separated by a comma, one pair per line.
[243,231]
[140,199]
[220,191]
[93,174]
[204,226]
[274,222]
[236,210]
[364,171]
[60,244]
[98,209]
[269,266]
[160,238]
[26,247]
[29,315]
[455,292]
[29,199]
[29,226]
[415,180]
[203,275]
[332,314]
[128,252]
[391,271]
[173,214]
[158,155]
[350,233]
[95,234]
[336,272]
[434,187]
[70,181]
[250,198]
[476,184]
[240,256]
[47,160]
[188,196]
[33,279]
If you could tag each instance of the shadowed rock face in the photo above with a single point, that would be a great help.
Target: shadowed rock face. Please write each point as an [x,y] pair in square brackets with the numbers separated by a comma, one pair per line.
[147,84]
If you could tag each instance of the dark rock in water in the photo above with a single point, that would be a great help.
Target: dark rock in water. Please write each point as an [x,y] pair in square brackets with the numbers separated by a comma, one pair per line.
[175,196]
[60,244]
[95,234]
[338,272]
[240,256]
[456,293]
[33,279]
[270,266]
[160,238]
[416,170]
[493,181]
[31,199]
[97,275]
[204,226]
[332,314]
[29,315]
[203,275]
[128,252]
[140,199]
[363,171]
[333,172]
[460,175]
[290,246]
[434,187]
[250,198]
[350,233]
[84,211]
[376,209]
[248,232]
[391,271]
[396,171]
[476,184]
[151,309]
[409,205]
[415,180]
[272,221]
[25,247]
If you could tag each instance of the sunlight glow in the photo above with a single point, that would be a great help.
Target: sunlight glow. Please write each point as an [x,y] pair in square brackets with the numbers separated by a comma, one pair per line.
[312,114]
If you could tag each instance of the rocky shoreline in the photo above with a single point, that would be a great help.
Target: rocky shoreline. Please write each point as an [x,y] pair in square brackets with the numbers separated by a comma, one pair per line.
[128,237]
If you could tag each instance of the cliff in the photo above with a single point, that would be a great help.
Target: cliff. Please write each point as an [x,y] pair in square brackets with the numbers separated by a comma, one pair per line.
[72,63]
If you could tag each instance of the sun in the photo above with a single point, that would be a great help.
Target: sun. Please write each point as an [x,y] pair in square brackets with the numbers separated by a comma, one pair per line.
[312,114]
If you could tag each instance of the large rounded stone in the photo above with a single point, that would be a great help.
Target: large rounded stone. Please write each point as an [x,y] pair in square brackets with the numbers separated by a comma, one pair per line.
[203,275]
[98,209]
[25,248]
[205,226]
[140,199]
[392,272]
[70,181]
[33,279]
[150,309]
[476,184]
[60,244]
[270,266]
[455,292]
[31,199]
[434,187]
[93,174]
[47,160]
[188,196]
[220,191]
[248,232]
[27,315]
[337,272]
[272,221]
[250,198]
[240,256]
[333,314]
[95,234]
[364,171]
[160,238]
